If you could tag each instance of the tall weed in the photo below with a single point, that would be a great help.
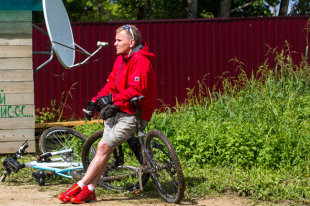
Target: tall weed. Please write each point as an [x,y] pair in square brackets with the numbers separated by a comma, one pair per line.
[54,113]
[260,119]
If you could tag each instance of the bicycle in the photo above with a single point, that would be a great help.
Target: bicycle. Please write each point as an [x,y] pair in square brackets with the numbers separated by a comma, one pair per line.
[63,142]
[129,168]
[152,155]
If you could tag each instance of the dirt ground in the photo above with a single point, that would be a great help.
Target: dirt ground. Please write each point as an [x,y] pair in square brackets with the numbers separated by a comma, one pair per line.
[24,195]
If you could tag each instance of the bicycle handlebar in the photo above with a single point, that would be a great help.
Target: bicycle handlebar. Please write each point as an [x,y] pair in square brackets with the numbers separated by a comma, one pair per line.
[22,149]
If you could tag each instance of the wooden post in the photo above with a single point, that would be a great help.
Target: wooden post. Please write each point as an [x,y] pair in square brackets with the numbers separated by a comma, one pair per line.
[17,116]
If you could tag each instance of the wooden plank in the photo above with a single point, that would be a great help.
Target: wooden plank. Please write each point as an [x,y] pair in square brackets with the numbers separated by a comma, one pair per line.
[16,63]
[15,16]
[17,27]
[12,147]
[16,111]
[17,87]
[17,119]
[16,135]
[16,75]
[65,124]
[17,123]
[15,39]
[16,51]
[16,98]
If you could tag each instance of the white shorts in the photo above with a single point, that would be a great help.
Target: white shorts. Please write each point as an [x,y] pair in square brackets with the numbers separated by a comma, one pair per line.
[120,128]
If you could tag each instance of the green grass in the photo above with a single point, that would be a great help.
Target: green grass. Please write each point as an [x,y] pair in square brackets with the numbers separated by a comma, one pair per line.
[259,184]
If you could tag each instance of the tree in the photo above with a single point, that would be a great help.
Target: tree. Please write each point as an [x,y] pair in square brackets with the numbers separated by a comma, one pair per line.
[155,9]
[143,11]
[192,9]
[283,7]
[208,8]
[301,7]
[111,10]
[246,8]
[225,6]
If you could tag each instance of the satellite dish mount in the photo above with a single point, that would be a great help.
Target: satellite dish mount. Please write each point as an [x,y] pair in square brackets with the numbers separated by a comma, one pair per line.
[60,34]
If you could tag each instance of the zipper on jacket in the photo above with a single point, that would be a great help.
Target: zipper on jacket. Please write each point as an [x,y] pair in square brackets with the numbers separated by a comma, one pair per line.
[118,75]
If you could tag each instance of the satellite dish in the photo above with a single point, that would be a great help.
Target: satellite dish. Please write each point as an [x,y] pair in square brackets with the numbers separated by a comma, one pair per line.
[59,30]
[61,36]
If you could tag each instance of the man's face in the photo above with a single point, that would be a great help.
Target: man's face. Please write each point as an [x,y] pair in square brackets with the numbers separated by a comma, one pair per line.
[122,44]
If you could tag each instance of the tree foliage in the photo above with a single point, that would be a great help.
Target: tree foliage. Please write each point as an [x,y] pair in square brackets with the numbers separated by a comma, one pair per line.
[301,7]
[112,10]
[245,8]
[155,9]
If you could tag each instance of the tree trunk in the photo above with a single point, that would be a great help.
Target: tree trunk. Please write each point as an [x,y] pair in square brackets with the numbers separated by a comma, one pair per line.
[225,8]
[192,9]
[283,7]
[143,12]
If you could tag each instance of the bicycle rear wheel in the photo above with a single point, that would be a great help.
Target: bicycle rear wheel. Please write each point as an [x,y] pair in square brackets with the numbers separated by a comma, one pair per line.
[168,178]
[120,173]
[61,138]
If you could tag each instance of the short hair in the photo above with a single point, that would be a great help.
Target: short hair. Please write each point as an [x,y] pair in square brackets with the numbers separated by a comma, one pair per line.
[135,31]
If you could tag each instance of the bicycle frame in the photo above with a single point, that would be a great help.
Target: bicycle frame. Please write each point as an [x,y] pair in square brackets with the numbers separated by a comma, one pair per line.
[57,166]
[142,169]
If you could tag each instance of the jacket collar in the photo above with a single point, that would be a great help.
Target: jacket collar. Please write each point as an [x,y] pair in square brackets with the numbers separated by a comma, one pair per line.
[136,49]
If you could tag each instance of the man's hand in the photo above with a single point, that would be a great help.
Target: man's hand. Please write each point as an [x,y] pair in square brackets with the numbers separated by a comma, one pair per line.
[104,101]
[90,110]
[109,111]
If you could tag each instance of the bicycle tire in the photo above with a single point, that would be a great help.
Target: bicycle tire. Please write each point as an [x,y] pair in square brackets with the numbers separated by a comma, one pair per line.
[113,177]
[168,178]
[59,138]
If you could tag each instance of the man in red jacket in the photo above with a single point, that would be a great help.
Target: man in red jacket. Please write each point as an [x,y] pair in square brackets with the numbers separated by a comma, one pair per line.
[132,76]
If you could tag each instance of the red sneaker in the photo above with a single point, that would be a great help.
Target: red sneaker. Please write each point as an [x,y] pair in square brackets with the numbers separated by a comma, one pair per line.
[85,196]
[70,193]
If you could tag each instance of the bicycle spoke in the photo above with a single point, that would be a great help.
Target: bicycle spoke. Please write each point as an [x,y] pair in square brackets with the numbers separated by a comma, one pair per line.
[175,182]
[160,147]
[60,138]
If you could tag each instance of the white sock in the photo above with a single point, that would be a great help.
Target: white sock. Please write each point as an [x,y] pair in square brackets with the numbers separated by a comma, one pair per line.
[91,188]
[81,184]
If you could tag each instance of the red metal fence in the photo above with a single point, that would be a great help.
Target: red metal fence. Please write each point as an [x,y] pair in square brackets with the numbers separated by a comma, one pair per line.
[186,50]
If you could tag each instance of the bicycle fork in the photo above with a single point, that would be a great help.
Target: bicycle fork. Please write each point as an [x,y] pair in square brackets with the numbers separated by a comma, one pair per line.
[148,156]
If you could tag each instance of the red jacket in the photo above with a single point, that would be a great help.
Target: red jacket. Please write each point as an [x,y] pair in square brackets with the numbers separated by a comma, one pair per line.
[132,76]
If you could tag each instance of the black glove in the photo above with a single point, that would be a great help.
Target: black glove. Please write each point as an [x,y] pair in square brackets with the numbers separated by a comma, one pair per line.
[104,101]
[108,111]
[90,110]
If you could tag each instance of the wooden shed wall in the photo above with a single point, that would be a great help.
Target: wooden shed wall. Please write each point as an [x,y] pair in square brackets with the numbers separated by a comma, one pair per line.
[17,119]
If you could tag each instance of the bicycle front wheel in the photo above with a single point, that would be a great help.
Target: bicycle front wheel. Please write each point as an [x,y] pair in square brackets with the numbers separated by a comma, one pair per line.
[61,138]
[168,176]
[121,172]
